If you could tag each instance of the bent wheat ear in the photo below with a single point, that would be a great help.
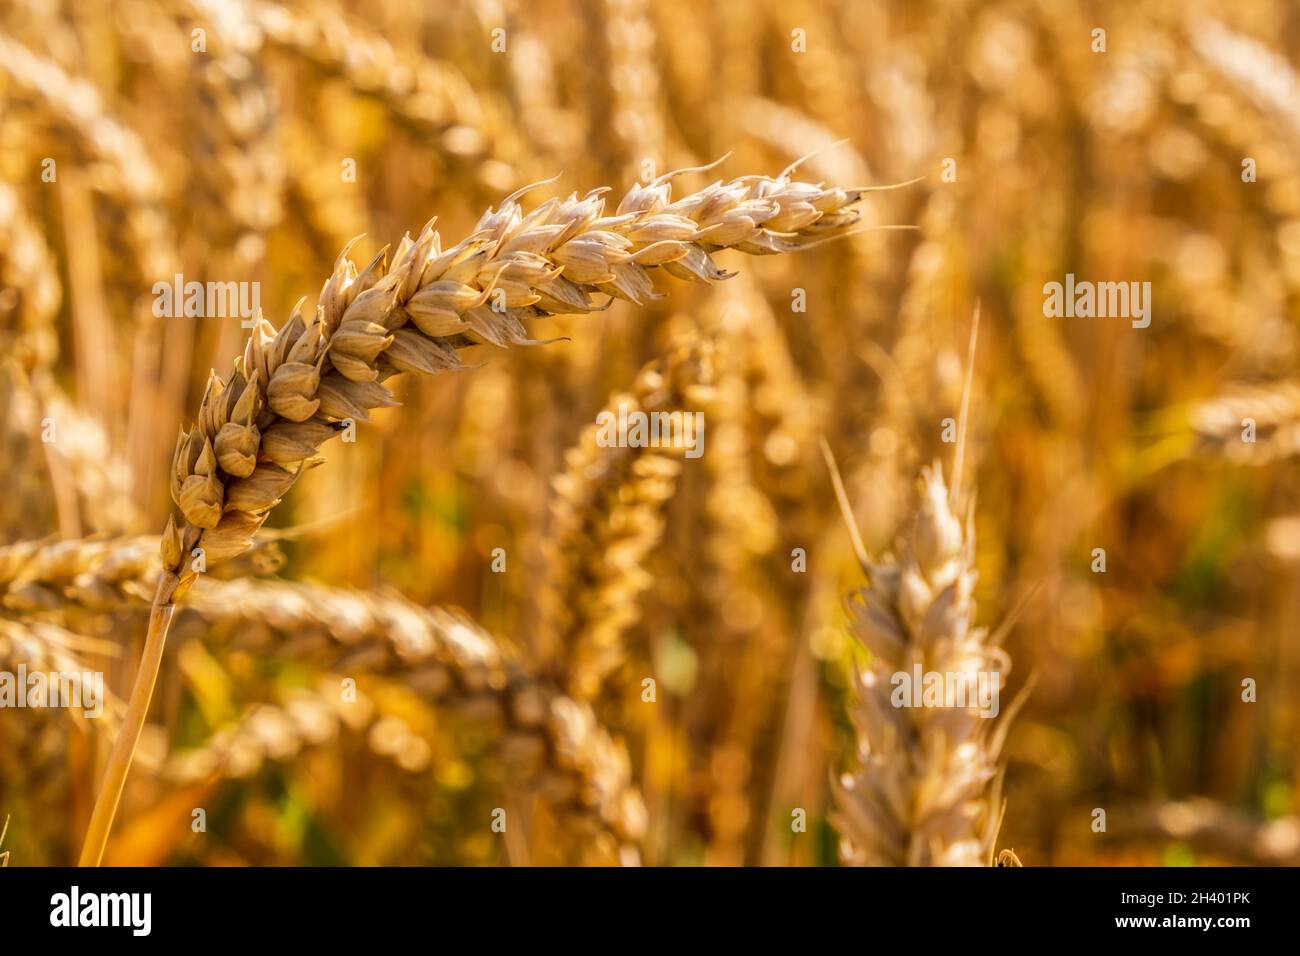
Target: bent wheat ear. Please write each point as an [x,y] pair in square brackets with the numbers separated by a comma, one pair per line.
[293,387]
[300,383]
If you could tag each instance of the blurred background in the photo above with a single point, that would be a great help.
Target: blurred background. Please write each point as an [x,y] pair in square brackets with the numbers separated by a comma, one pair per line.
[133,148]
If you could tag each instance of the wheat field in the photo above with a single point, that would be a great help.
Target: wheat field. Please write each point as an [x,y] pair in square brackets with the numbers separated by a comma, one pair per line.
[575,432]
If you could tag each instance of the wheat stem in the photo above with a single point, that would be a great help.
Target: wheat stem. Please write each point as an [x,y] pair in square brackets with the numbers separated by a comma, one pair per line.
[119,761]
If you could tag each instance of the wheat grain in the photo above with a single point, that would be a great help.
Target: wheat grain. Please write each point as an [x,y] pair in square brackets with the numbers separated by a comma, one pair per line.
[443,656]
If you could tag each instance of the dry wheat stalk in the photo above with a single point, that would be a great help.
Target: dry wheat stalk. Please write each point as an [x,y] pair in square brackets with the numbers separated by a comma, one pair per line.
[927,787]
[448,659]
[293,389]
[606,516]
[444,656]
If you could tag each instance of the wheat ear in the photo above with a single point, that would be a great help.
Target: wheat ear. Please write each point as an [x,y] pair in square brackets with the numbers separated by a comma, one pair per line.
[926,790]
[449,660]
[96,574]
[606,517]
[293,389]
[42,646]
[1268,414]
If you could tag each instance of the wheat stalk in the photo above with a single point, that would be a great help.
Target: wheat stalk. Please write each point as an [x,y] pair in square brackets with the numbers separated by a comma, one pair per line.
[442,655]
[293,389]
